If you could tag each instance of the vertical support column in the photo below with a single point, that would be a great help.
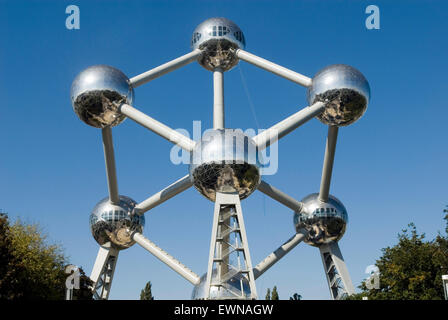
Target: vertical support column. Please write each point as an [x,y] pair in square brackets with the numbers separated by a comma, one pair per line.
[211,255]
[103,272]
[110,165]
[336,271]
[246,254]
[327,170]
[229,239]
[219,123]
[218,99]
[223,246]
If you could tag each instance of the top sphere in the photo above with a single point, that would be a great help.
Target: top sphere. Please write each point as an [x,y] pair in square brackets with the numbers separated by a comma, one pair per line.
[219,38]
[96,94]
[345,91]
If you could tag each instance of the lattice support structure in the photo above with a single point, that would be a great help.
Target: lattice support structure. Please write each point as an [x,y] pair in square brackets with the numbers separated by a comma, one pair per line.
[103,272]
[229,252]
[336,271]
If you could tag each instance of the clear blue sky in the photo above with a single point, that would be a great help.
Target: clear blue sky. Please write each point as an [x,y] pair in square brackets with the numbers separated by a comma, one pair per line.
[390,166]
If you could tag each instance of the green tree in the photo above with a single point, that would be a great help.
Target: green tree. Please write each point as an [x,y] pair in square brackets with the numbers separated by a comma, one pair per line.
[30,267]
[441,253]
[296,296]
[412,269]
[274,294]
[146,293]
[6,257]
[268,294]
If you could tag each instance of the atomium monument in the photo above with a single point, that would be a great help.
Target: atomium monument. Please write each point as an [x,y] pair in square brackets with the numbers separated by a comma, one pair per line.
[225,167]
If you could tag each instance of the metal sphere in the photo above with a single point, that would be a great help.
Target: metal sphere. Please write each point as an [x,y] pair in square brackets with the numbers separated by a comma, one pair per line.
[324,221]
[345,91]
[226,161]
[115,223]
[231,289]
[219,38]
[96,94]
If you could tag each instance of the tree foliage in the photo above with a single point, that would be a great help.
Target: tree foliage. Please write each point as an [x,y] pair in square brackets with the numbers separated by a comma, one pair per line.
[296,296]
[412,269]
[30,267]
[146,293]
[268,294]
[274,295]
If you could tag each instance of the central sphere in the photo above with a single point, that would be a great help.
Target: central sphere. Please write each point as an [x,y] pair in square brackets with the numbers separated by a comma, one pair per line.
[230,290]
[324,221]
[218,38]
[115,223]
[226,161]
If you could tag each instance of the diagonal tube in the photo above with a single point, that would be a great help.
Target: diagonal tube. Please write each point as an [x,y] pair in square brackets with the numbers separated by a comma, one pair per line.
[274,68]
[165,68]
[111,171]
[327,169]
[157,127]
[274,257]
[280,196]
[163,256]
[276,132]
[163,195]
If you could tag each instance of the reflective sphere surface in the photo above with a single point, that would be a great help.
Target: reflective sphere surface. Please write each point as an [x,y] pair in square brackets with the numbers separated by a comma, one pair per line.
[325,222]
[345,91]
[219,38]
[115,223]
[231,290]
[225,161]
[96,94]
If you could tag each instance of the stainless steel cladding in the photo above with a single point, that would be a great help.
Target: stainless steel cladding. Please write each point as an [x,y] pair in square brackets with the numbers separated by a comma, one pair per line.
[226,161]
[324,221]
[96,94]
[218,38]
[115,223]
[345,92]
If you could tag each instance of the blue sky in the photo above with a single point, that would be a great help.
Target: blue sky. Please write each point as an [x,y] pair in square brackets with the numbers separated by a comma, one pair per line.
[390,166]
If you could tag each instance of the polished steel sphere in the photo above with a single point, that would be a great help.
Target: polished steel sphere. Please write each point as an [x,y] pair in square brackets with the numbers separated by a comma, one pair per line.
[219,38]
[324,221]
[115,223]
[345,91]
[230,290]
[226,161]
[96,94]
